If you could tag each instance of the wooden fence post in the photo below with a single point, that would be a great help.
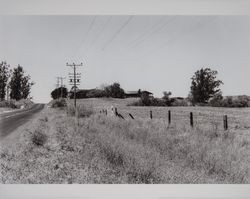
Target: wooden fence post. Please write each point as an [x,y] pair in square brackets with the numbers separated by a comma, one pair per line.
[120,116]
[169,117]
[225,122]
[191,120]
[151,114]
[131,116]
[116,112]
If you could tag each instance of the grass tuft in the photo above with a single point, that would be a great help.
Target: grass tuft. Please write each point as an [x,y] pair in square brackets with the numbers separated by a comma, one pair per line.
[80,111]
[39,138]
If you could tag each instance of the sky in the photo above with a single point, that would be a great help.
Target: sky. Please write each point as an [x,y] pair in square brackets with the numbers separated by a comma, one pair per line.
[154,53]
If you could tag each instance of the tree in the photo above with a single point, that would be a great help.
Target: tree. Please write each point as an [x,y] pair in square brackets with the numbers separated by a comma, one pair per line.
[145,99]
[114,91]
[26,86]
[204,85]
[20,84]
[166,98]
[4,76]
[59,92]
[216,100]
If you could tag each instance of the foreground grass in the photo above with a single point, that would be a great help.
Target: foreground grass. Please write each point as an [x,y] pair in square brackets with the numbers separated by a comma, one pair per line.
[101,149]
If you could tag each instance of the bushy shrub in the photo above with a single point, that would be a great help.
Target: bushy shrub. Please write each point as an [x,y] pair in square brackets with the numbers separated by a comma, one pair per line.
[16,104]
[239,101]
[158,102]
[216,100]
[95,93]
[114,90]
[145,99]
[23,102]
[59,92]
[8,104]
[38,138]
[166,98]
[59,103]
[149,101]
[182,102]
[81,110]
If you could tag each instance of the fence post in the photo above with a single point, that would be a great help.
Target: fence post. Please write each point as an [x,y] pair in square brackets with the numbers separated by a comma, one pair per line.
[116,112]
[225,122]
[131,116]
[191,120]
[169,117]
[151,114]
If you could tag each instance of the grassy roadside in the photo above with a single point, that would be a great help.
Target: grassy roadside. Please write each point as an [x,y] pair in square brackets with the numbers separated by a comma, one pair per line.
[99,149]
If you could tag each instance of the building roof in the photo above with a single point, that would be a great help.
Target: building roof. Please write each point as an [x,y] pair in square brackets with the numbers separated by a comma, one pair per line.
[131,92]
[146,92]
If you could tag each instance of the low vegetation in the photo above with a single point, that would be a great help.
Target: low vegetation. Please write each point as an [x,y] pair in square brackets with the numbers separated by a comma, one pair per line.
[80,111]
[14,104]
[232,102]
[103,149]
[58,103]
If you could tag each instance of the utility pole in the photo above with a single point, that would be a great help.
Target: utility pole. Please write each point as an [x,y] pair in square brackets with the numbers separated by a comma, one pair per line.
[76,78]
[57,85]
[60,84]
[62,78]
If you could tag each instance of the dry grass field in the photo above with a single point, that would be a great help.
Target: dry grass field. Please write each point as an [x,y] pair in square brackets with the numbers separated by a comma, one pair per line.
[95,148]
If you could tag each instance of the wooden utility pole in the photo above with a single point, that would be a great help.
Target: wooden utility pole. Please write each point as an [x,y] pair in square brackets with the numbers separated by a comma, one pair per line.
[62,78]
[76,78]
[57,86]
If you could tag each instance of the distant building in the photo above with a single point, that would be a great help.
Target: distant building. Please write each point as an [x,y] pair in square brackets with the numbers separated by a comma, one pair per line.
[86,93]
[147,93]
[138,93]
[132,94]
[80,93]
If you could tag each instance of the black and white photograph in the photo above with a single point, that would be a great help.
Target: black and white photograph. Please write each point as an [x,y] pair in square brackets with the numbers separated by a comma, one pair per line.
[124,99]
[107,99]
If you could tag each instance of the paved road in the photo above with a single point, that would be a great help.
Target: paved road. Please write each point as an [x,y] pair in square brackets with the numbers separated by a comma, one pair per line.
[12,120]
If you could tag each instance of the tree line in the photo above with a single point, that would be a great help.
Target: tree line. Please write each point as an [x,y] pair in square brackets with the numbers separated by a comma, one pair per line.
[204,86]
[114,90]
[14,82]
[204,90]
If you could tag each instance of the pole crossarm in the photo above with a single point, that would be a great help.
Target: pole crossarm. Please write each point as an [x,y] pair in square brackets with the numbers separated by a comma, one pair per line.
[76,78]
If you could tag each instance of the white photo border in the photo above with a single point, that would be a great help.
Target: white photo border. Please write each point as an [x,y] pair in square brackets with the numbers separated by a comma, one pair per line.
[125,7]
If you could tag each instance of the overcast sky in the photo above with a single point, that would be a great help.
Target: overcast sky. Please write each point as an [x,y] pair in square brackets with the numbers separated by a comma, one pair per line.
[156,53]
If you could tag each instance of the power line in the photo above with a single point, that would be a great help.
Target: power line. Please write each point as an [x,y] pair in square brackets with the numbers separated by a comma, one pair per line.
[183,32]
[150,33]
[85,36]
[146,32]
[99,33]
[117,32]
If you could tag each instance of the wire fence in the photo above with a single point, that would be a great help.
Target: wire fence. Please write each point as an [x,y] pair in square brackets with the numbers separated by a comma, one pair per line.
[169,117]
